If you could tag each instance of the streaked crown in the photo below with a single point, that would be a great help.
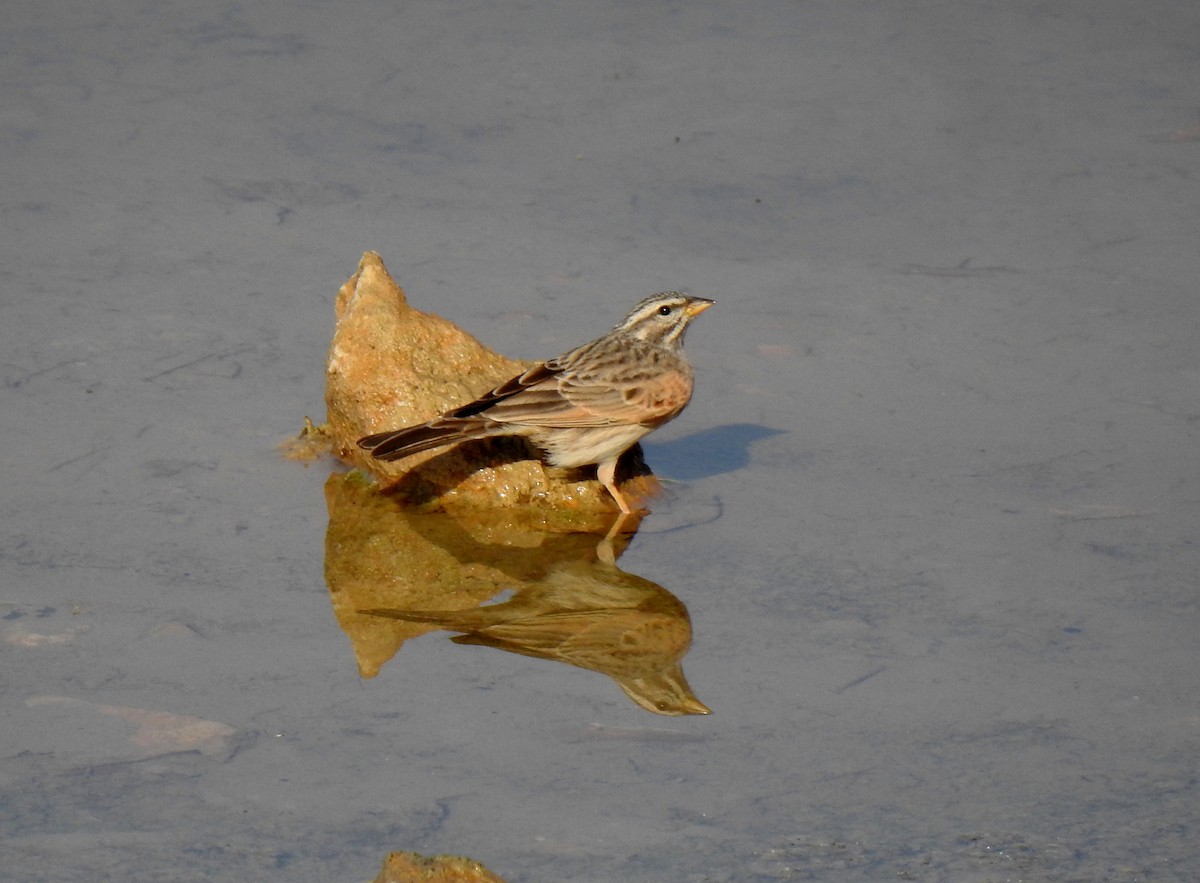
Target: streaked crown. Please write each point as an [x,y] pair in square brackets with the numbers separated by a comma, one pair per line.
[663,318]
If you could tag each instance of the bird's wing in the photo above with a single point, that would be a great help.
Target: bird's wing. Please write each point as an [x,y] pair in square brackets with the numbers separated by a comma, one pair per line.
[535,377]
[566,397]
[595,639]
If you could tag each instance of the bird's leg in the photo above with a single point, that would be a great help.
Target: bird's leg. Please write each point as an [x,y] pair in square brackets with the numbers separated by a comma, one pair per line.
[607,472]
[624,523]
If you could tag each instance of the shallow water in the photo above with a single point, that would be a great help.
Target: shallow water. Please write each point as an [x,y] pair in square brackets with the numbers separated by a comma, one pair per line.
[933,511]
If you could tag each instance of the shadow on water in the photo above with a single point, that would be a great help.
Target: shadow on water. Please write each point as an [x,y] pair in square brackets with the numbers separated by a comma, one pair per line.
[711,452]
[394,574]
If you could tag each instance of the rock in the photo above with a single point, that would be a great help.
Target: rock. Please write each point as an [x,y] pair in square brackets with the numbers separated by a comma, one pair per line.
[87,733]
[392,366]
[407,867]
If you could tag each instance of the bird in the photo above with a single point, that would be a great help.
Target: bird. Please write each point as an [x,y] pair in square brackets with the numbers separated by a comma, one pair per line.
[586,406]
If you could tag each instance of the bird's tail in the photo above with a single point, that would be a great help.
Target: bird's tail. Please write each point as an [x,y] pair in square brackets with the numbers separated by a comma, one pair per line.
[434,617]
[395,444]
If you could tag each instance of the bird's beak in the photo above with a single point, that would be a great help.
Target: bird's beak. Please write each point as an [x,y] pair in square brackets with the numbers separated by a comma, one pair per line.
[691,704]
[698,305]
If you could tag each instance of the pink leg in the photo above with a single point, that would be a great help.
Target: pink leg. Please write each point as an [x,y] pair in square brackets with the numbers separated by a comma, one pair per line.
[607,472]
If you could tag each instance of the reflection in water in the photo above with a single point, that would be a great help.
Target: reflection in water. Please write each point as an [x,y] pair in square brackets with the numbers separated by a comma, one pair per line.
[592,616]
[393,575]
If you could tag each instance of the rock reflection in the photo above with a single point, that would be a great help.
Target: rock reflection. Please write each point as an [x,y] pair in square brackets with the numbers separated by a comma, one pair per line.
[394,575]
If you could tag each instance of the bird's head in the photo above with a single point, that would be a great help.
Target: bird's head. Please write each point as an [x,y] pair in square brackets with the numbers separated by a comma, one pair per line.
[663,318]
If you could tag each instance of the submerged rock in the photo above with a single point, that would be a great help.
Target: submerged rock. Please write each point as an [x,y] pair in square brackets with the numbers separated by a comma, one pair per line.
[406,867]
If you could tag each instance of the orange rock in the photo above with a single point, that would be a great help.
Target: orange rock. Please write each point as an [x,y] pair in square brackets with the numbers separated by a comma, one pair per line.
[391,366]
[408,867]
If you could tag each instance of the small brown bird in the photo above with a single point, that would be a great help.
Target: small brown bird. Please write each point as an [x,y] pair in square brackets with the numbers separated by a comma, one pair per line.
[589,405]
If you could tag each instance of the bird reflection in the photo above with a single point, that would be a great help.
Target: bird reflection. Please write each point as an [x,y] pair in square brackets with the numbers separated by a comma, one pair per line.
[593,616]
[569,601]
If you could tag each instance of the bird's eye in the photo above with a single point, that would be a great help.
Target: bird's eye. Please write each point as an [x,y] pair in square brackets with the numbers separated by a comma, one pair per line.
[665,310]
